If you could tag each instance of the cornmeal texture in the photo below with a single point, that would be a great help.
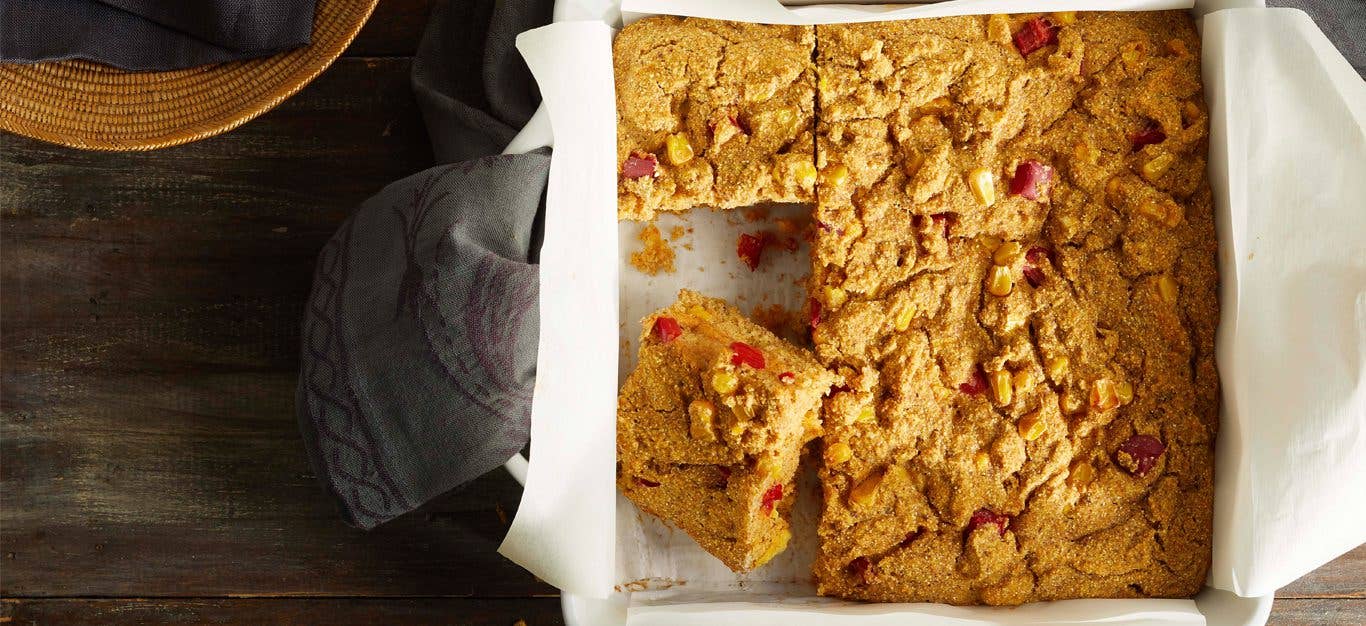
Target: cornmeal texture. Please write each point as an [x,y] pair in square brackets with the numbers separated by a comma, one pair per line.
[1015,273]
[713,113]
[1013,284]
[711,426]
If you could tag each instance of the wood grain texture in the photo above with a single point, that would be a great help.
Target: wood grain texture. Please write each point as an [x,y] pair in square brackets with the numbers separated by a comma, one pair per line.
[1317,612]
[148,450]
[393,29]
[339,612]
[1344,577]
[151,311]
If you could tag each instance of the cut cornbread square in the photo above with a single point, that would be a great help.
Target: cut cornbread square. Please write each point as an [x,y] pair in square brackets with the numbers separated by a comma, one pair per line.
[1016,275]
[711,425]
[713,113]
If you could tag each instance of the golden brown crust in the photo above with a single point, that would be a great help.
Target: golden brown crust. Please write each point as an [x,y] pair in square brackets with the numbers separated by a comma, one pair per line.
[741,97]
[1020,423]
[1125,291]
[710,477]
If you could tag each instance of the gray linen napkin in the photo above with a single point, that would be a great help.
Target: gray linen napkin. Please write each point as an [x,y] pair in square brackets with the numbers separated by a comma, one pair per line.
[419,338]
[151,34]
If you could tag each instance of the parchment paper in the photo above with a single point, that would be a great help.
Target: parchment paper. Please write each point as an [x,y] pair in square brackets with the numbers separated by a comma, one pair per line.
[1286,165]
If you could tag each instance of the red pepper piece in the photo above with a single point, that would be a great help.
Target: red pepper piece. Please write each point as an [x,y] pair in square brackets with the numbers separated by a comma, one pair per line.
[745,354]
[666,329]
[773,495]
[1152,133]
[976,382]
[1035,34]
[1031,179]
[750,248]
[639,164]
[1138,454]
[984,517]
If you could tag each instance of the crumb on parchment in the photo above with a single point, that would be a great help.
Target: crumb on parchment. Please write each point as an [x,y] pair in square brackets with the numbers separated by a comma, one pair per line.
[655,255]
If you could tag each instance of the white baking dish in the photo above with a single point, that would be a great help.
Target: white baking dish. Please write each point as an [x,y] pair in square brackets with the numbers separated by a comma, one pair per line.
[1291,346]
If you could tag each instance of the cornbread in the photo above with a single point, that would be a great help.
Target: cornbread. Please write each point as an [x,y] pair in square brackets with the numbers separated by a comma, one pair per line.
[1013,281]
[711,425]
[713,113]
[1016,273]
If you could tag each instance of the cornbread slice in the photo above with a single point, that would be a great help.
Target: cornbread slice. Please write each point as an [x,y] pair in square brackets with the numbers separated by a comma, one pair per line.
[712,113]
[1015,272]
[711,424]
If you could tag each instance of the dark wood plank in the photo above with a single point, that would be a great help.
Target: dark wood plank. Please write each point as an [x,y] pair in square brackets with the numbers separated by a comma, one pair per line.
[1344,577]
[534,612]
[531,612]
[1315,612]
[393,29]
[151,310]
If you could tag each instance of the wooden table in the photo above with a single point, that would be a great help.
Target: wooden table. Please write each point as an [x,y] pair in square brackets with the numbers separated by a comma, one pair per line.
[150,466]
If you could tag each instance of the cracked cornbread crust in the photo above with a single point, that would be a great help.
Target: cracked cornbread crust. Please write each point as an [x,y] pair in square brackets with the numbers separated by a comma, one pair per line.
[712,113]
[711,425]
[1015,268]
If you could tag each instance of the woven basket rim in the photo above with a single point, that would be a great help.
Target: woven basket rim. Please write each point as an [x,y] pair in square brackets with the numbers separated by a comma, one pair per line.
[83,104]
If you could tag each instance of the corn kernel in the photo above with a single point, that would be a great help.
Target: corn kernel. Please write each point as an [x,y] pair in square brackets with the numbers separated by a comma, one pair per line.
[1103,395]
[806,174]
[834,297]
[1071,403]
[863,492]
[1056,367]
[1191,111]
[982,460]
[1132,54]
[903,319]
[999,282]
[785,116]
[866,414]
[1001,386]
[1085,153]
[1167,288]
[1007,252]
[779,544]
[1065,17]
[741,413]
[679,150]
[838,452]
[940,104]
[1031,426]
[834,175]
[822,85]
[1157,166]
[912,162]
[701,313]
[1112,188]
[1175,213]
[983,185]
[990,242]
[700,414]
[1022,380]
[1168,212]
[1081,474]
[768,467]
[724,382]
[1125,392]
[1178,47]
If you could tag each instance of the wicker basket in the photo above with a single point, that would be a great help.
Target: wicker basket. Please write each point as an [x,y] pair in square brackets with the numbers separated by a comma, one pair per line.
[97,107]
